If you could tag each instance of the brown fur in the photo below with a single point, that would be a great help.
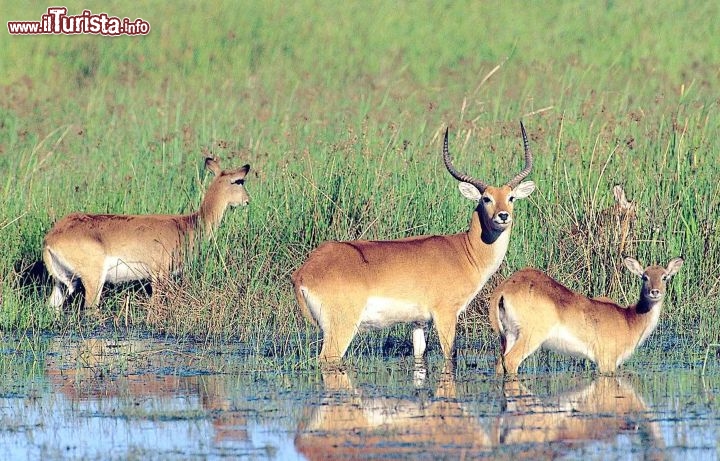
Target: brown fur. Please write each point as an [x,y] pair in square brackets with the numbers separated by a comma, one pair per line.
[439,272]
[149,246]
[530,309]
[375,284]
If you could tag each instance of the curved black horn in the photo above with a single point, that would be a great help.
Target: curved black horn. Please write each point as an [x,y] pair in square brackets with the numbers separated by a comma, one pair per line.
[528,161]
[455,174]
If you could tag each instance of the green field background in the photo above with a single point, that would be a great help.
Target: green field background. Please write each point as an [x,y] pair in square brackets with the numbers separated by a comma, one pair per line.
[339,107]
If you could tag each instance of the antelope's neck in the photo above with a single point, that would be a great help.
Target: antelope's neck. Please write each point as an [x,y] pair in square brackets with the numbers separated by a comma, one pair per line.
[646,315]
[486,248]
[646,306]
[209,216]
[190,226]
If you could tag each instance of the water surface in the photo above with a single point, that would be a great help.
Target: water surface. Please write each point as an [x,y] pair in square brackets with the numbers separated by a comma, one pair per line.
[154,399]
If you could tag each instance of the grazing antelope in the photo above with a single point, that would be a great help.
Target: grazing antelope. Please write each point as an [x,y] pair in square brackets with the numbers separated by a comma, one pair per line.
[530,310]
[345,287]
[99,248]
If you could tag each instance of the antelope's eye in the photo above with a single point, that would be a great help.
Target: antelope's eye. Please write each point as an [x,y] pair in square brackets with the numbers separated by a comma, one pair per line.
[486,200]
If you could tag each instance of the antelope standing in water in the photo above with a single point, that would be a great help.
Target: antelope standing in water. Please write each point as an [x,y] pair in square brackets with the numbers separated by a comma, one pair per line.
[530,309]
[96,248]
[346,287]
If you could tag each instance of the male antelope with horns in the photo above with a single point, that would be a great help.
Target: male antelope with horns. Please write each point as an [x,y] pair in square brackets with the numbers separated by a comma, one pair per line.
[346,287]
[98,248]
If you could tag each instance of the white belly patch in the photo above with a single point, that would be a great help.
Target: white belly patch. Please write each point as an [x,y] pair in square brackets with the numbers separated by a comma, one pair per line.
[118,270]
[563,341]
[381,312]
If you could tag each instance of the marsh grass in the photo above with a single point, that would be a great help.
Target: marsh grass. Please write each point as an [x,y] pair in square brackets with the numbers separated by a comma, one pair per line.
[340,115]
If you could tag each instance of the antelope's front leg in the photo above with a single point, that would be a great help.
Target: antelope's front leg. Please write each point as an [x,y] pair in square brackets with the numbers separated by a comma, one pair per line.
[419,344]
[445,322]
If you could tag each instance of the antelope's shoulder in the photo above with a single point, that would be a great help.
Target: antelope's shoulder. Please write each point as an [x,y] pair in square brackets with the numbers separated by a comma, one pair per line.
[604,301]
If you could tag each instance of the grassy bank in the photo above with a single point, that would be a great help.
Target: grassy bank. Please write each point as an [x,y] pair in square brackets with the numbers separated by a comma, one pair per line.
[339,109]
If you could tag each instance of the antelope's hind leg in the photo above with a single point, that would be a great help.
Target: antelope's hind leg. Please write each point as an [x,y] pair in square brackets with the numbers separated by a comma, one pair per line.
[93,279]
[339,325]
[63,278]
[523,347]
[418,340]
[60,292]
[336,339]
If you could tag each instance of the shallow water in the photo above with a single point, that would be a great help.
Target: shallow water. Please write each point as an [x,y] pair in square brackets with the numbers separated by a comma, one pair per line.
[151,399]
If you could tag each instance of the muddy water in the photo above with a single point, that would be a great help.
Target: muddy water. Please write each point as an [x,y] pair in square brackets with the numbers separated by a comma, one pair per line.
[150,399]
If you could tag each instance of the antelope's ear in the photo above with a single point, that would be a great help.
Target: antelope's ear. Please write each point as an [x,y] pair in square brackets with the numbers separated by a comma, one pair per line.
[213,164]
[523,189]
[469,191]
[243,170]
[634,266]
[674,266]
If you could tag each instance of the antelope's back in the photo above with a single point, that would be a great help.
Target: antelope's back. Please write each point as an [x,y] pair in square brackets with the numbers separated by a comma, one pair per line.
[140,235]
[405,267]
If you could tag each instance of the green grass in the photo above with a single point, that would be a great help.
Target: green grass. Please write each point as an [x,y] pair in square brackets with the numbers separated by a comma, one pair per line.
[339,109]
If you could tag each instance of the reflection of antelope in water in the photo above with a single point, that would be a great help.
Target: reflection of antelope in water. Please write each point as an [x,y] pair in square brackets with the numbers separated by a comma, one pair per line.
[346,424]
[349,425]
[600,411]
[104,371]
